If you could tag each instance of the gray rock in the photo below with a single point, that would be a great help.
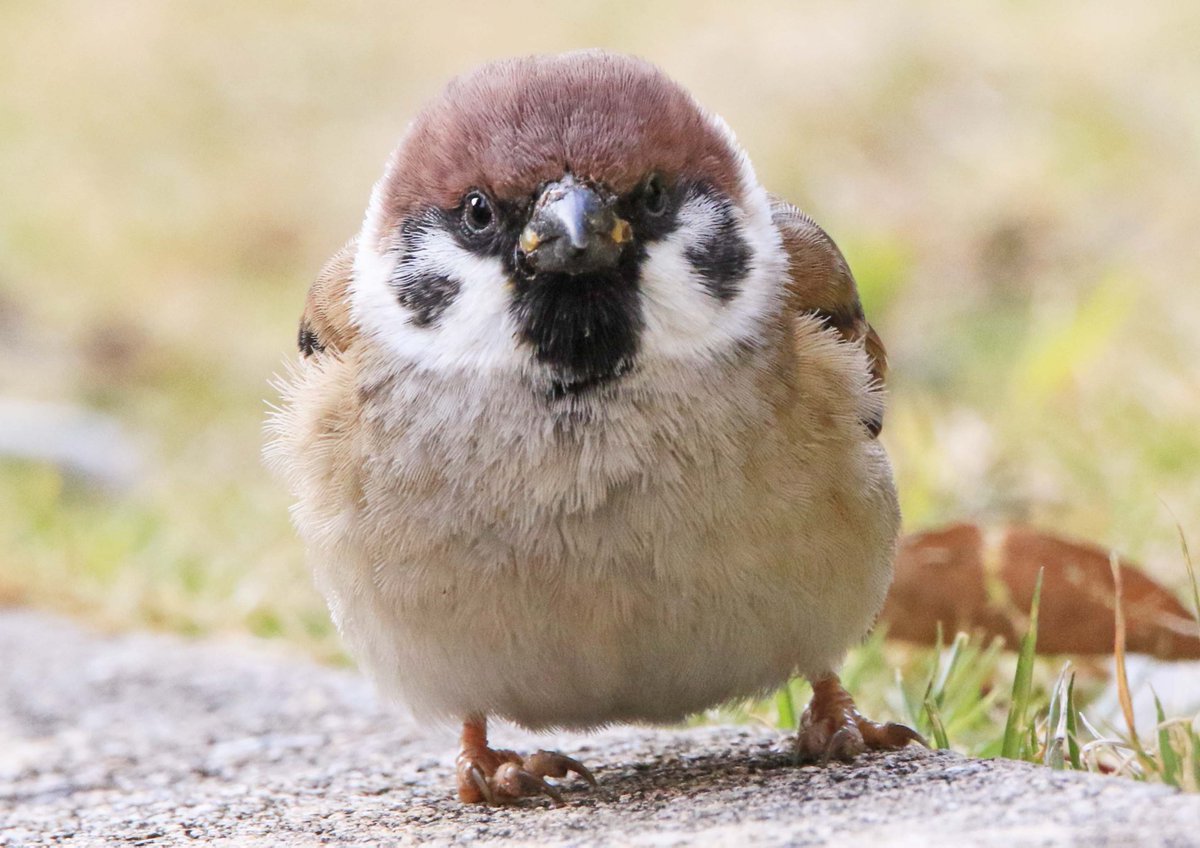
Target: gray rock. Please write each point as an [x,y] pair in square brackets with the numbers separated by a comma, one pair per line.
[146,739]
[82,442]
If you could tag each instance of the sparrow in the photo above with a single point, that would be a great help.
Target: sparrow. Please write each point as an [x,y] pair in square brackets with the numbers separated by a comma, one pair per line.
[583,425]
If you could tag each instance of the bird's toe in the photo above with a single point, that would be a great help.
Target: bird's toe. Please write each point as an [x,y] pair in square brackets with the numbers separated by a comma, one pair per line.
[832,728]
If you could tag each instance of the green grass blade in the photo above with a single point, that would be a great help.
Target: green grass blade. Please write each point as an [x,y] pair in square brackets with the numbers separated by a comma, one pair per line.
[971,694]
[1055,742]
[936,726]
[1073,752]
[1014,730]
[914,700]
[1191,570]
[1053,756]
[785,707]
[1194,753]
[1168,758]
[1029,752]
[947,675]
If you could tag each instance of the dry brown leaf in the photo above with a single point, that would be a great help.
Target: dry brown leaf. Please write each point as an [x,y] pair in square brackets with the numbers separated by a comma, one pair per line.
[982,581]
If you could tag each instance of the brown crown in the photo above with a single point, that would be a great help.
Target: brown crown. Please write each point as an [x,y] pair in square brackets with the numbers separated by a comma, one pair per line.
[511,125]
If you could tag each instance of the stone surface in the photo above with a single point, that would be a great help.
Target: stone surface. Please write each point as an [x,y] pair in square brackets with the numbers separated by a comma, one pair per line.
[145,739]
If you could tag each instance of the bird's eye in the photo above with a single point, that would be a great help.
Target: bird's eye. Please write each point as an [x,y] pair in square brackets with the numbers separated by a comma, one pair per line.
[477,212]
[654,197]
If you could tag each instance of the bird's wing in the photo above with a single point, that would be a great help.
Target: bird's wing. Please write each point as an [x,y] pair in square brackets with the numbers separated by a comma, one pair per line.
[325,324]
[820,284]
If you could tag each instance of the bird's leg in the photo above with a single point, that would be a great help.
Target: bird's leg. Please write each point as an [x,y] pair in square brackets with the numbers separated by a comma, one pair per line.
[833,728]
[489,776]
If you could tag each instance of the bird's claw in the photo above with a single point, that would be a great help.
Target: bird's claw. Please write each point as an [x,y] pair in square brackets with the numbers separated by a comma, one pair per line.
[890,736]
[512,782]
[494,777]
[479,780]
[552,764]
[832,728]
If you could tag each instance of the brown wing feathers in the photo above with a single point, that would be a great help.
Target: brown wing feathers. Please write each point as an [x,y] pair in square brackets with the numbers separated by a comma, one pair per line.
[325,324]
[820,283]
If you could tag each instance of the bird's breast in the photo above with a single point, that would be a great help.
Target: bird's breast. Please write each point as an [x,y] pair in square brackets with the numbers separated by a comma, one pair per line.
[637,559]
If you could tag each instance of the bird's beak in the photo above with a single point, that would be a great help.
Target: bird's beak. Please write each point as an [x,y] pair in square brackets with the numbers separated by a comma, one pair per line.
[573,230]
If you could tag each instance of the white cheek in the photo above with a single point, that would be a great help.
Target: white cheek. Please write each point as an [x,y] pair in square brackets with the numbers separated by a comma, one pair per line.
[679,313]
[682,318]
[475,331]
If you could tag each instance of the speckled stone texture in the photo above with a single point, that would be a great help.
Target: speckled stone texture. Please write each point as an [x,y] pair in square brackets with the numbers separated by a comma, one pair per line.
[152,740]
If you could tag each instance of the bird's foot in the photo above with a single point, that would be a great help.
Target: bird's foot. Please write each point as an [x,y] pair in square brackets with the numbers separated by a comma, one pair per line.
[833,728]
[490,776]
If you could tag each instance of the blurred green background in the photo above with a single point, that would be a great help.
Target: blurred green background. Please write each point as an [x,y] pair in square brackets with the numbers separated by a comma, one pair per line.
[1016,185]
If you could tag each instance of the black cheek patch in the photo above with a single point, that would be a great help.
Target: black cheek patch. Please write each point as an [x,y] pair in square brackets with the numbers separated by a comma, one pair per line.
[722,257]
[425,296]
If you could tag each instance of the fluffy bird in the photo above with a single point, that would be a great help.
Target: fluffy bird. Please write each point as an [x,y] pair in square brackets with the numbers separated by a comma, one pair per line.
[583,426]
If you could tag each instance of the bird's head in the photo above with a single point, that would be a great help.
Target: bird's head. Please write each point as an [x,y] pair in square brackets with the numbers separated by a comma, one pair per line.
[569,218]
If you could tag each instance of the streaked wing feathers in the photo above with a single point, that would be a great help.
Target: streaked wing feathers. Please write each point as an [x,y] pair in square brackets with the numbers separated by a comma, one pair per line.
[325,324]
[820,282]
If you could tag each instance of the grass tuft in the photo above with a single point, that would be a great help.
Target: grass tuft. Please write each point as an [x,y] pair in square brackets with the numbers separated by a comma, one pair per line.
[1015,729]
